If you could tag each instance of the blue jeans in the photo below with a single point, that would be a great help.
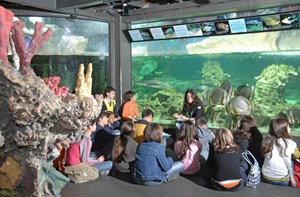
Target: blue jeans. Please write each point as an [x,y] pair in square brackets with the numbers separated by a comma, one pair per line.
[172,174]
[244,170]
[103,166]
[275,182]
[177,167]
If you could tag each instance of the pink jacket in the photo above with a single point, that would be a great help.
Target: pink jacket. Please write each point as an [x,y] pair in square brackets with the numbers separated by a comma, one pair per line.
[79,152]
[191,160]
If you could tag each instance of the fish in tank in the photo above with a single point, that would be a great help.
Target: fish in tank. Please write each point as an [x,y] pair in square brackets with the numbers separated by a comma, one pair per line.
[253,74]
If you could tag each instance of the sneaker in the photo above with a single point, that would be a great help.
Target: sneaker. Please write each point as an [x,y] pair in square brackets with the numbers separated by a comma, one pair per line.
[103,173]
[173,178]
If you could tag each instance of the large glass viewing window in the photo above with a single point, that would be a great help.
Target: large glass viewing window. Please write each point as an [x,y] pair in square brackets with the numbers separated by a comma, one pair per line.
[74,42]
[262,67]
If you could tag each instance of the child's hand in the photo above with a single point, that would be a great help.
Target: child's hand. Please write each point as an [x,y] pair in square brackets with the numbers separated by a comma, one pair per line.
[101,159]
[175,115]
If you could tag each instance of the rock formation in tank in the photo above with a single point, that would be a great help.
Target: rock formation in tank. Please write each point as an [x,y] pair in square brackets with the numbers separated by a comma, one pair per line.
[33,117]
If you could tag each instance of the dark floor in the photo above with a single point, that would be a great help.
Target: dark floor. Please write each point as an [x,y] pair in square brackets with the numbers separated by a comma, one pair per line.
[182,187]
[111,187]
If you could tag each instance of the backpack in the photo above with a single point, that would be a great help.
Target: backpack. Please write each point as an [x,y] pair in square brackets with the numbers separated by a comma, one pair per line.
[253,177]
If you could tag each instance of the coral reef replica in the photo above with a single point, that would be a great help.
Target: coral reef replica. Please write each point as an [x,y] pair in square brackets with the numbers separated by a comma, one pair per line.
[38,39]
[84,83]
[53,82]
[33,117]
[212,72]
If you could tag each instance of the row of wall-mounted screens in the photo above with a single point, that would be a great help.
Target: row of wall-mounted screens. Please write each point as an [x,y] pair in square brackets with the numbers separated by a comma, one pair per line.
[232,26]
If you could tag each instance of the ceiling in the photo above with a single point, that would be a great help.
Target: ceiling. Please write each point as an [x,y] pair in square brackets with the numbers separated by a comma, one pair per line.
[123,7]
[135,11]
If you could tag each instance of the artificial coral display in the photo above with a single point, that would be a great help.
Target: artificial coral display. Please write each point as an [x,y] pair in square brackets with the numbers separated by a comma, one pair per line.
[84,83]
[34,116]
[53,83]
[5,24]
[38,39]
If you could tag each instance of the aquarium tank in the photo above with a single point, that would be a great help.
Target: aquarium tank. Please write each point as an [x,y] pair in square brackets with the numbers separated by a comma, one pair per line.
[73,42]
[255,74]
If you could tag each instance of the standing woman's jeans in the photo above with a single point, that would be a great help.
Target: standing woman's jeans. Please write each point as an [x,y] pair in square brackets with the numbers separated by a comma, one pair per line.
[103,166]
[173,173]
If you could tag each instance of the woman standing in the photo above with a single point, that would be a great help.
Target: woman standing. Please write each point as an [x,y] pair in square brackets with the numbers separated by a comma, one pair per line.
[275,146]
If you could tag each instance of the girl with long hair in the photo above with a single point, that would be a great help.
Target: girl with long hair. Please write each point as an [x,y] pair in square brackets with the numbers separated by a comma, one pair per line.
[188,148]
[192,108]
[275,146]
[248,137]
[225,158]
[124,149]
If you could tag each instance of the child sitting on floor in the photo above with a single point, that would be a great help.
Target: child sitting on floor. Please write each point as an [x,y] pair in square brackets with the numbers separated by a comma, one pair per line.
[152,167]
[79,152]
[187,148]
[124,149]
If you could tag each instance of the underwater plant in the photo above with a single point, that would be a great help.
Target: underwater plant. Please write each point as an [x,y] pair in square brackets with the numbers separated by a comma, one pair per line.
[164,103]
[212,72]
[270,89]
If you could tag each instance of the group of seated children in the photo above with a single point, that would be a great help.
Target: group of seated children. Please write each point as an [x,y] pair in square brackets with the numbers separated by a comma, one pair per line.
[137,147]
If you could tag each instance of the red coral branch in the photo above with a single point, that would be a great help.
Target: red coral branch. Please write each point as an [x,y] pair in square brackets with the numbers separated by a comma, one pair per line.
[18,38]
[38,39]
[6,19]
[53,82]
